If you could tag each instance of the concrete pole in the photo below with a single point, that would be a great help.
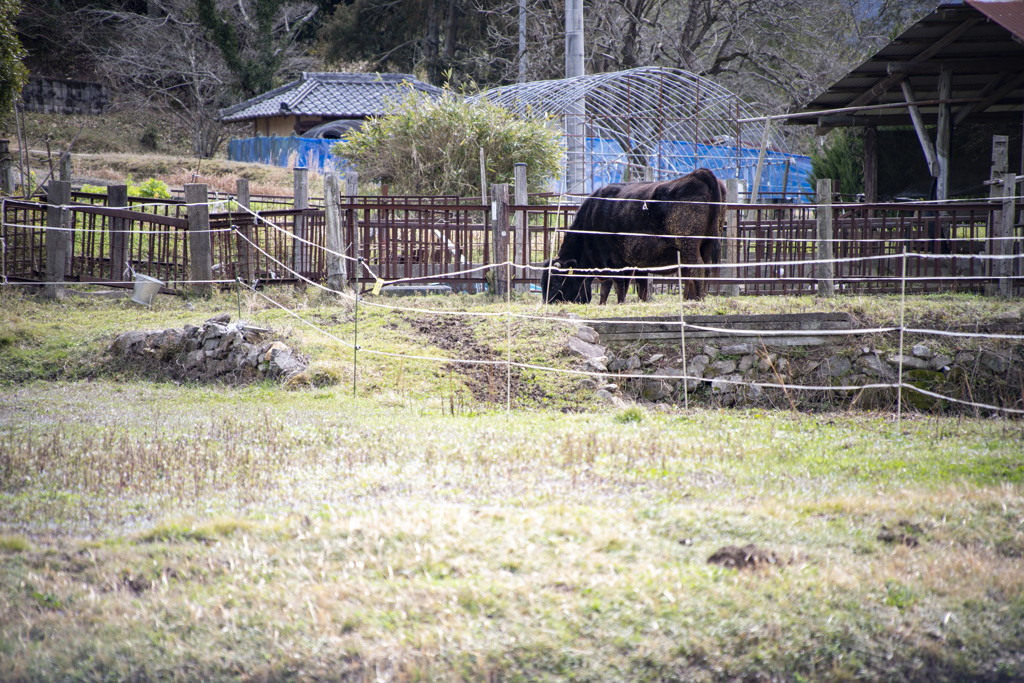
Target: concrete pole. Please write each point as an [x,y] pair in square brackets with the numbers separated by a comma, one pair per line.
[337,274]
[300,250]
[58,238]
[732,229]
[120,241]
[246,225]
[522,41]
[576,112]
[823,245]
[521,250]
[200,242]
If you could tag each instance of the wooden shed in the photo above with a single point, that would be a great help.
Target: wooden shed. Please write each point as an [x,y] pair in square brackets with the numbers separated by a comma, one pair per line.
[322,97]
[958,68]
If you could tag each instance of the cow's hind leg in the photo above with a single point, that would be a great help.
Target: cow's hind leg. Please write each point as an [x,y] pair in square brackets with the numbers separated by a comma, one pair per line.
[606,289]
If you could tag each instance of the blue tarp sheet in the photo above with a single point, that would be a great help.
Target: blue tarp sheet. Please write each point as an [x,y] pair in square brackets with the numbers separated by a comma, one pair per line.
[605,157]
[294,151]
[676,158]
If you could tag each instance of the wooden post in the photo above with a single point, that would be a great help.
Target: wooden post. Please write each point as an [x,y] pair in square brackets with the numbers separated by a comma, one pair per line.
[1004,247]
[483,177]
[6,169]
[120,241]
[65,166]
[732,230]
[1000,147]
[521,250]
[943,133]
[760,160]
[200,242]
[823,246]
[300,250]
[246,225]
[870,168]
[500,237]
[58,238]
[352,223]
[334,228]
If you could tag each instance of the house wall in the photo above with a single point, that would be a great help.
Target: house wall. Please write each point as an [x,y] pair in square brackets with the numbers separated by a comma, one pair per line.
[281,126]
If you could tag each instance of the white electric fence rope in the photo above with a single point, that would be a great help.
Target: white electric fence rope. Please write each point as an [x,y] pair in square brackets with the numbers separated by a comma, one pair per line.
[620,376]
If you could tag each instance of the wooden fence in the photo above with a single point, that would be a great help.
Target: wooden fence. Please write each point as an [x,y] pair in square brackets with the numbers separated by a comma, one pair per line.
[445,238]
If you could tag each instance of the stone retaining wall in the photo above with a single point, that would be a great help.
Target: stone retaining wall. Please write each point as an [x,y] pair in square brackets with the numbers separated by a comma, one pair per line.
[731,374]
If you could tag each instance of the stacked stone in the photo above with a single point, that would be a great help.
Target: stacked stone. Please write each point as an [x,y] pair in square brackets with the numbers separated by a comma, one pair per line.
[218,350]
[733,371]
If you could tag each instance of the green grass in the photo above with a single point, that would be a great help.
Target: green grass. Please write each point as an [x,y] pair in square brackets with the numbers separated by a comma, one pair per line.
[156,531]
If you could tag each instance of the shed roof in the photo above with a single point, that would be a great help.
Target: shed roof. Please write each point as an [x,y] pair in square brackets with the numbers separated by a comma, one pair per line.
[981,42]
[340,95]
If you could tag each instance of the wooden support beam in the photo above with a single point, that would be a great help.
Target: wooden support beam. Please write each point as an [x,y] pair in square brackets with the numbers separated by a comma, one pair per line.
[1001,93]
[965,110]
[823,244]
[944,134]
[870,167]
[894,79]
[922,134]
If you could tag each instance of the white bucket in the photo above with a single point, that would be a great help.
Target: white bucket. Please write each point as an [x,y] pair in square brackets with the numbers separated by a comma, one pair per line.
[146,288]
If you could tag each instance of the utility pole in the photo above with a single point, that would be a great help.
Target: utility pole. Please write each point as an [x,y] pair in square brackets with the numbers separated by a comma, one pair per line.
[576,113]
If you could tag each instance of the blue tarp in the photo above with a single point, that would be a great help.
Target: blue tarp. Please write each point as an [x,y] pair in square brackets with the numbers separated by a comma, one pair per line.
[312,153]
[605,157]
[676,158]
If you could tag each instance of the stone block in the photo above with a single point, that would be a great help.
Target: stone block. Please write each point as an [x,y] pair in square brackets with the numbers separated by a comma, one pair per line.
[742,349]
[873,366]
[911,362]
[746,363]
[722,367]
[922,351]
[835,366]
[996,362]
[588,334]
[585,349]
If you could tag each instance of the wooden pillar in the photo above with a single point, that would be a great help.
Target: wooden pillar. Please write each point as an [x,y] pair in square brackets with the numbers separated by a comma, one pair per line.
[1000,147]
[483,177]
[352,224]
[65,166]
[6,169]
[301,251]
[500,237]
[943,133]
[521,250]
[120,241]
[200,242]
[335,231]
[823,245]
[732,230]
[1004,246]
[246,232]
[58,239]
[870,167]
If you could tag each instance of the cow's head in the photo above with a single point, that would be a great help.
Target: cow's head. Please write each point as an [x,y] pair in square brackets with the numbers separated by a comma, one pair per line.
[559,283]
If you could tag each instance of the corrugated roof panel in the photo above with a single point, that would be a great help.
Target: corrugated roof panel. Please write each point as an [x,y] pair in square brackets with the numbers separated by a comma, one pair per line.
[1009,15]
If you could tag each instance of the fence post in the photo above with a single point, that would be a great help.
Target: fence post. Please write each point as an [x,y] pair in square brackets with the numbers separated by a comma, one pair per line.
[6,169]
[243,239]
[301,250]
[336,275]
[57,237]
[120,245]
[521,250]
[1004,266]
[732,231]
[352,223]
[996,193]
[823,245]
[200,239]
[65,166]
[499,237]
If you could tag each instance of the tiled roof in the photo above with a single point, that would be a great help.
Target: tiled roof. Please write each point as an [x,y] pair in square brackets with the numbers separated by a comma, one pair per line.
[342,95]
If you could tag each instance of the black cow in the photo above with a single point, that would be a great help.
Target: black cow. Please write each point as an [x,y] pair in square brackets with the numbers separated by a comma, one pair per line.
[687,211]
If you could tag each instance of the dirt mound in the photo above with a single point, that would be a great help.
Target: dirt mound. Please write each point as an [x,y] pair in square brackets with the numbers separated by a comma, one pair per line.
[486,381]
[747,557]
[905,533]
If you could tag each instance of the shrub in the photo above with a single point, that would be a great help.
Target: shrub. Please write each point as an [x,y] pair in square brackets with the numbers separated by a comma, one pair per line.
[149,189]
[841,159]
[433,147]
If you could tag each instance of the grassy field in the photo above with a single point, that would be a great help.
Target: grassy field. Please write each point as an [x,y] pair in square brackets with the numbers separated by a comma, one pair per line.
[417,531]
